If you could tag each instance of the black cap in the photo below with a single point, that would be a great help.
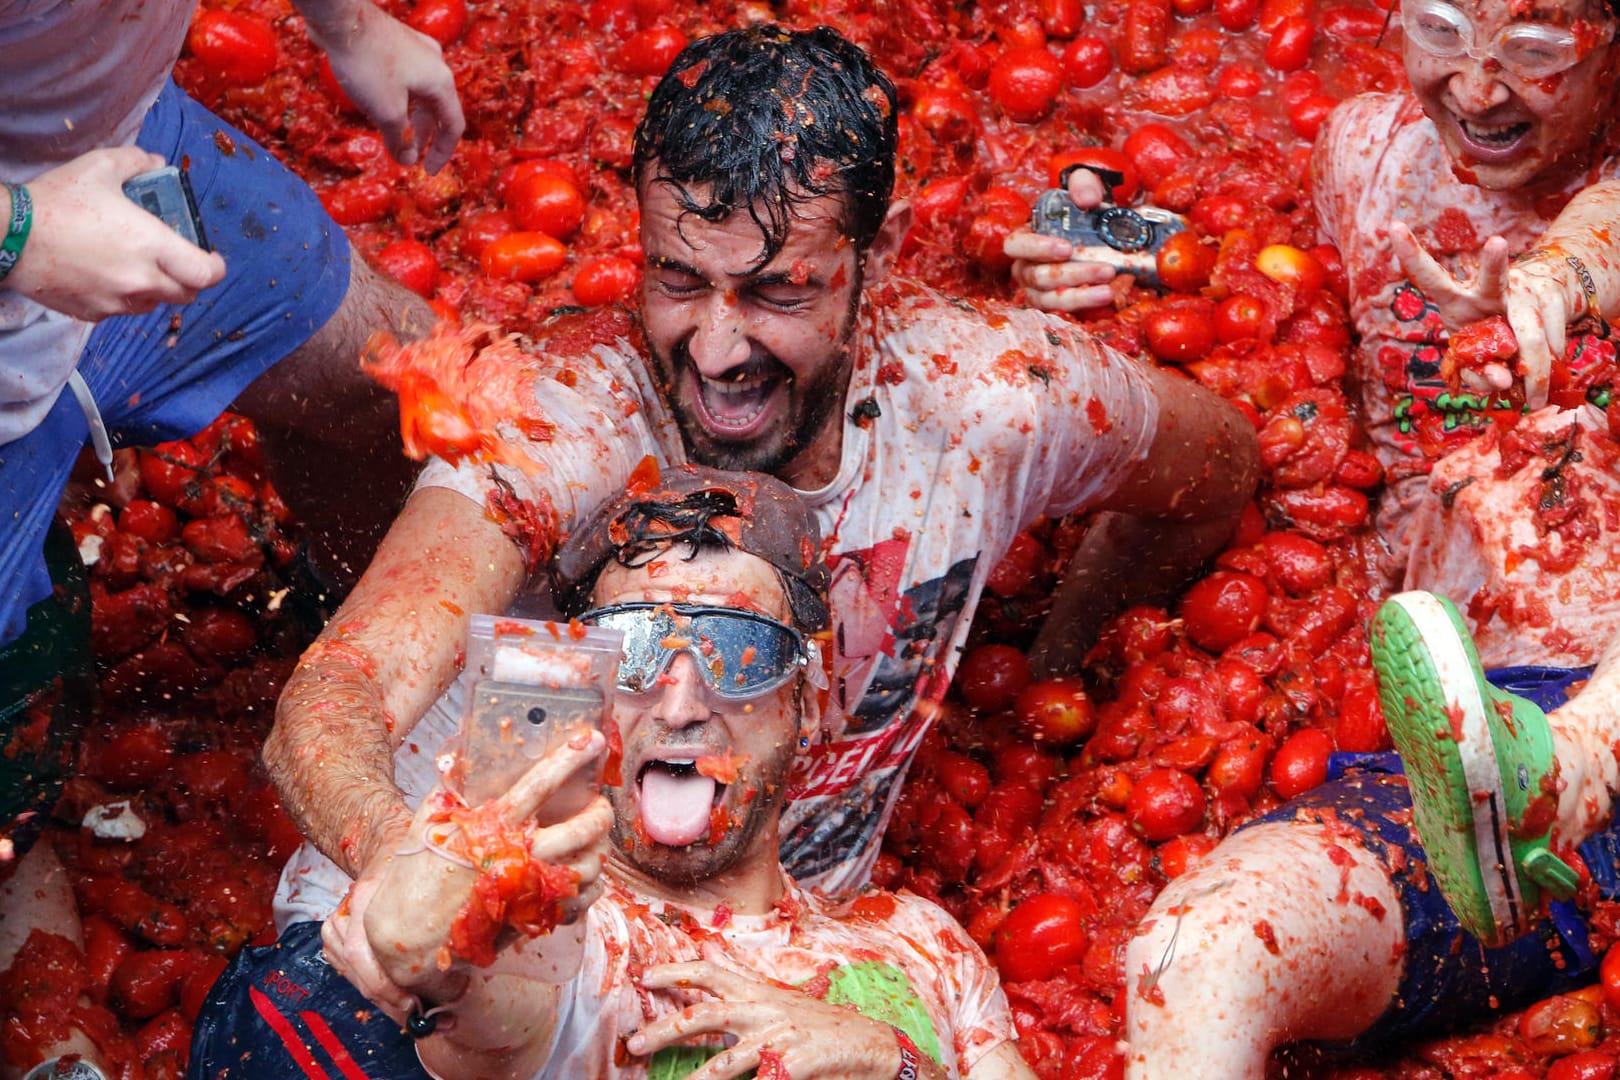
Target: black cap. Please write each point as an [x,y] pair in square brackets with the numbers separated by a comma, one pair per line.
[696,506]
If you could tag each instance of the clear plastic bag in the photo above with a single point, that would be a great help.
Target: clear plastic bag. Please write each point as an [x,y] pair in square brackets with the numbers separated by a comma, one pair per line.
[531,685]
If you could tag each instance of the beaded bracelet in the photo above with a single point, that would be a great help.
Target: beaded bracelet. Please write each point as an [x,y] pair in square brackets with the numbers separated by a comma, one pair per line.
[22,220]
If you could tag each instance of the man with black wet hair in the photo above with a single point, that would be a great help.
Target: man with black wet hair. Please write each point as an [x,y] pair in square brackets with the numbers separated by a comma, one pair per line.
[923,431]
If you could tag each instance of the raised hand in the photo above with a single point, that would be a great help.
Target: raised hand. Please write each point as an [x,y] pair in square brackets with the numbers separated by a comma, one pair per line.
[93,253]
[395,75]
[778,1027]
[393,936]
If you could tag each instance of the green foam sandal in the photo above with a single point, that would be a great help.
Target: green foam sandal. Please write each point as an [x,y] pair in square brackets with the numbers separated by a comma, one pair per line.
[1479,763]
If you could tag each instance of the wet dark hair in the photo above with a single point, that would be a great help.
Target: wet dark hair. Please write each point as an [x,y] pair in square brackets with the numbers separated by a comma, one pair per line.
[635,530]
[770,118]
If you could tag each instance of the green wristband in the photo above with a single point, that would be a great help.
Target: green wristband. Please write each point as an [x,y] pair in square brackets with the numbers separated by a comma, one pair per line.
[22,219]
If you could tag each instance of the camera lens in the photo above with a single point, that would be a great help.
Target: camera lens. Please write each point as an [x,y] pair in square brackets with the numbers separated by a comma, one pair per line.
[1123,229]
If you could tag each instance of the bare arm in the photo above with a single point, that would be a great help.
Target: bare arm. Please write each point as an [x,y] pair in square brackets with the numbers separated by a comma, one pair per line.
[1002,1063]
[380,663]
[1175,511]
[396,76]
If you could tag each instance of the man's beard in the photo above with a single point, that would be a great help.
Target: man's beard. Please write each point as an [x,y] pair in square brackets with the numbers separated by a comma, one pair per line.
[686,866]
[812,405]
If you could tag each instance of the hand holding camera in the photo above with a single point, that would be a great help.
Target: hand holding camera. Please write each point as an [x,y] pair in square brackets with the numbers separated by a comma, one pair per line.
[1079,240]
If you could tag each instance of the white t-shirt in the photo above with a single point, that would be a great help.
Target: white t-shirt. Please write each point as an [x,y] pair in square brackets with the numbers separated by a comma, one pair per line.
[1534,565]
[895,958]
[75,75]
[965,421]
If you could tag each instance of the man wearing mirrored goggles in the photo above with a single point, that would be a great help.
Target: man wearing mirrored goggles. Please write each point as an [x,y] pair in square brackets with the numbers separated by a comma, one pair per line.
[740,655]
[713,582]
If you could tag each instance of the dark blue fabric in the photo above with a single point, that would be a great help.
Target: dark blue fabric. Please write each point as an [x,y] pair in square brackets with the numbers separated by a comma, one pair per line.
[1450,978]
[281,1012]
[167,374]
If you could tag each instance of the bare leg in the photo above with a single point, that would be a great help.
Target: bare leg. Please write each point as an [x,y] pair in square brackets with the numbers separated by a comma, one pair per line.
[332,434]
[38,896]
[1285,932]
[1586,737]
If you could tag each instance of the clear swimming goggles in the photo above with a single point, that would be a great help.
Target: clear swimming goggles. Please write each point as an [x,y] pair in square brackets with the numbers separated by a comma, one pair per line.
[741,655]
[1530,50]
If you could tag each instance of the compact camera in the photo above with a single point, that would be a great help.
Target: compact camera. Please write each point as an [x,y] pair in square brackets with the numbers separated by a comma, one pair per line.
[1124,238]
[166,193]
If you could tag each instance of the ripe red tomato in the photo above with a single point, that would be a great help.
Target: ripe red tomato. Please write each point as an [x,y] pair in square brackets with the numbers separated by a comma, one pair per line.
[1087,62]
[1239,767]
[412,264]
[1178,854]
[1239,81]
[234,48]
[606,279]
[168,1032]
[1301,762]
[648,53]
[1237,15]
[148,982]
[1041,936]
[1289,47]
[1056,712]
[1157,152]
[480,229]
[1361,728]
[1013,809]
[1561,1024]
[1288,265]
[1241,318]
[1016,570]
[1061,18]
[1307,117]
[441,20]
[1021,764]
[1609,976]
[1223,609]
[1185,262]
[1179,334]
[224,635]
[946,115]
[991,677]
[1349,23]
[1583,1065]
[358,200]
[545,202]
[523,256]
[1103,157]
[1301,564]
[1145,37]
[1025,82]
[1273,12]
[963,779]
[171,471]
[1165,803]
[206,968]
[149,521]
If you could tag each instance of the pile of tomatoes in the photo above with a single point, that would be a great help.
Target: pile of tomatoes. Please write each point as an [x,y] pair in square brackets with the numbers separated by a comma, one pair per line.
[1044,814]
[172,837]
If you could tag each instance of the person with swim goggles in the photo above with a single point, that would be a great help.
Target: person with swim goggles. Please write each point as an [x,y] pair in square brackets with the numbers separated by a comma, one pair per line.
[1528,50]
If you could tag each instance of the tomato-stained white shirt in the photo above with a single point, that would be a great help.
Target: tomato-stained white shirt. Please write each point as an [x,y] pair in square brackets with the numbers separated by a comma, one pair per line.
[1453,519]
[964,422]
[895,958]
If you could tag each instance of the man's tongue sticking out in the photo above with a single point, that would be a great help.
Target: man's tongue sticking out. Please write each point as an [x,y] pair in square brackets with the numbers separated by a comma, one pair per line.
[675,803]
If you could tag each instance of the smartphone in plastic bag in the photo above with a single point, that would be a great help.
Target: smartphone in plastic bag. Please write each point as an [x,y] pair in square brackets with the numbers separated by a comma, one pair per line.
[532,685]
[166,193]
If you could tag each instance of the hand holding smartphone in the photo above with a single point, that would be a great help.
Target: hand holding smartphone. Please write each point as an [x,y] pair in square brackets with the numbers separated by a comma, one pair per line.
[532,685]
[166,194]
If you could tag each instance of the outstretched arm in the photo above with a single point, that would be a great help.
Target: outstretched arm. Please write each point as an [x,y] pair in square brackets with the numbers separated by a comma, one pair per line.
[394,74]
[1174,512]
[387,654]
[92,253]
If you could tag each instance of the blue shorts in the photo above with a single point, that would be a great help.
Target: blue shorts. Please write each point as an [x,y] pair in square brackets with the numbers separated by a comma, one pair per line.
[1450,978]
[167,374]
